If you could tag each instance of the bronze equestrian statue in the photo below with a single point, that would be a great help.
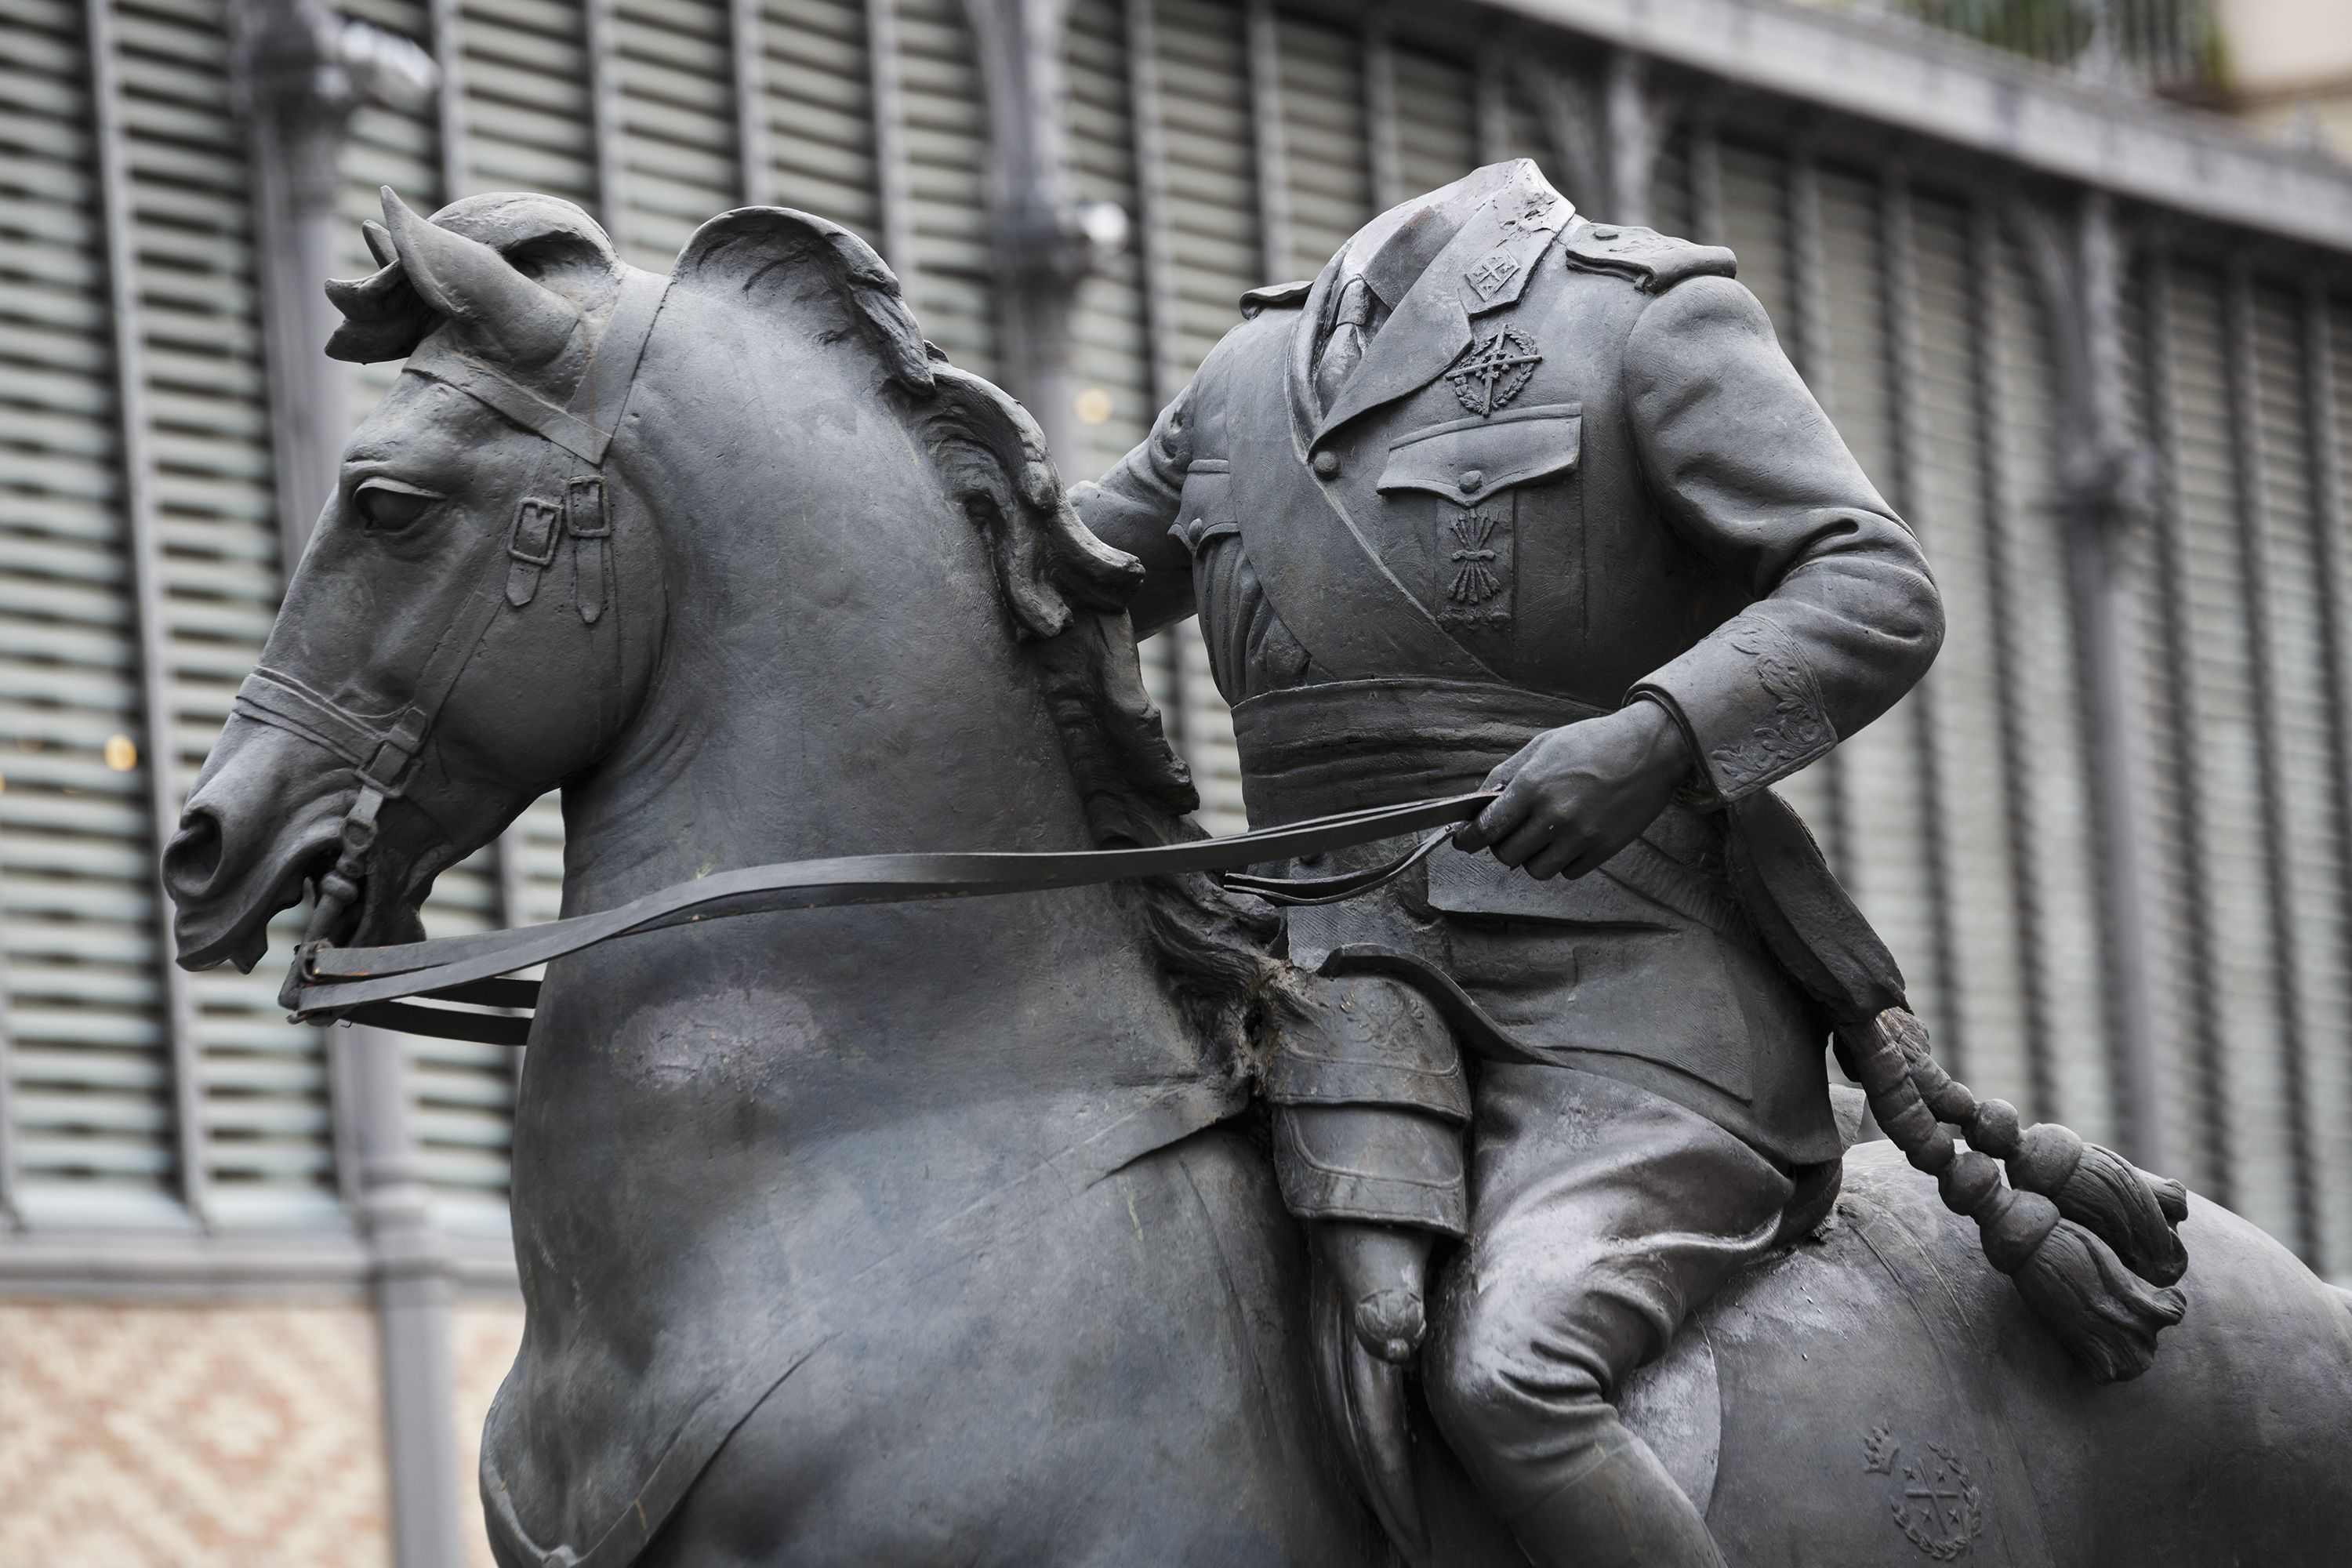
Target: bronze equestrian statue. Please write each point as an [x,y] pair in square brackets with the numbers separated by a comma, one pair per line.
[956,1232]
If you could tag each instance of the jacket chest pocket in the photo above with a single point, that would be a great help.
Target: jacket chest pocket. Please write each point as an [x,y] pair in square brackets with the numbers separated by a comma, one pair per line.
[1456,487]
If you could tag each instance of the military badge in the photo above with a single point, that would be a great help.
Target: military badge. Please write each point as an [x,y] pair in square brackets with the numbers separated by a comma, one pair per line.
[1475,554]
[1492,276]
[1493,371]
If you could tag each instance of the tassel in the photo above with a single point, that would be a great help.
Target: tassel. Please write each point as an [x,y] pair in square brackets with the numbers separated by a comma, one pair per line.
[2106,1195]
[2104,1315]
[2045,1233]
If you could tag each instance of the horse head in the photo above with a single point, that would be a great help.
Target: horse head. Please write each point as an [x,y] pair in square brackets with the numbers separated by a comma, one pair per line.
[494,604]
[453,637]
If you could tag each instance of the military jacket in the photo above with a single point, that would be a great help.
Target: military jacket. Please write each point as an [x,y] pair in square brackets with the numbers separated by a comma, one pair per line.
[1574,469]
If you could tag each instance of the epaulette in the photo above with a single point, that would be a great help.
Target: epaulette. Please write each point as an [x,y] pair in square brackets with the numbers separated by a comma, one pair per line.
[1654,261]
[1281,296]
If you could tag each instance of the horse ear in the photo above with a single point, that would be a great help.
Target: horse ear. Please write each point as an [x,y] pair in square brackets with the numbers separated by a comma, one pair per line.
[755,251]
[522,320]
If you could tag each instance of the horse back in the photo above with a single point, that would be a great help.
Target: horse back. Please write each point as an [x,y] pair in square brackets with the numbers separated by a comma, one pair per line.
[1883,1392]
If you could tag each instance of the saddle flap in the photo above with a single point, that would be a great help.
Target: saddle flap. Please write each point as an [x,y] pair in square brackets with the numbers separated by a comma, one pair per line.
[1469,459]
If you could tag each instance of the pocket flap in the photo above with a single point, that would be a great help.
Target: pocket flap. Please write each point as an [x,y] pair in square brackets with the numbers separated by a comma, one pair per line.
[1470,458]
[1205,508]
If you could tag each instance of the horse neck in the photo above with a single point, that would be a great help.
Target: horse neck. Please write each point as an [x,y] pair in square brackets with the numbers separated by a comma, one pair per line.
[838,676]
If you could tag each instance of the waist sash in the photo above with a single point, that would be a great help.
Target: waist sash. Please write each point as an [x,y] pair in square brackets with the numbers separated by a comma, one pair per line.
[1311,751]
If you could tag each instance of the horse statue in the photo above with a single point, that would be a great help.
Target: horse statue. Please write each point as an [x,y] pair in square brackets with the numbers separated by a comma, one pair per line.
[940,1232]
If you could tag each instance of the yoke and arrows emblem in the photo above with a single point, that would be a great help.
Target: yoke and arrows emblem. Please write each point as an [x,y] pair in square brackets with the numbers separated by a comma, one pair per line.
[1492,371]
[1473,559]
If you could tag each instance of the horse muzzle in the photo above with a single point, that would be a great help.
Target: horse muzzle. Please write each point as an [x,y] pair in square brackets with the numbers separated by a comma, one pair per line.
[264,817]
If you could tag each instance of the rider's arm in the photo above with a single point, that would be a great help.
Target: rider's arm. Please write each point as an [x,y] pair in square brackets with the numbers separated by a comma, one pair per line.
[1135,505]
[1845,618]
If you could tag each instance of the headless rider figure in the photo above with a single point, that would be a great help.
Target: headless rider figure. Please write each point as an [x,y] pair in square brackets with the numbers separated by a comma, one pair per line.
[1507,498]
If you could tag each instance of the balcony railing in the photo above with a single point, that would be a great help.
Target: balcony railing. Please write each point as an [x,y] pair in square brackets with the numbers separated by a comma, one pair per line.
[2171,47]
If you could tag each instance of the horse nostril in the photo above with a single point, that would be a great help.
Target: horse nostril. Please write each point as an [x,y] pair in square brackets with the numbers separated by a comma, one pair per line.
[193,858]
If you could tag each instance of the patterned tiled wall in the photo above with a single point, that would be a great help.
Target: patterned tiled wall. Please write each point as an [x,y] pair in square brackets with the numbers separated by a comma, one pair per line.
[216,1437]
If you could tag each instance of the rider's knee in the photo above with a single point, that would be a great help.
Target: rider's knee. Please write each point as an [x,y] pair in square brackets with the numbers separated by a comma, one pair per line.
[1500,1371]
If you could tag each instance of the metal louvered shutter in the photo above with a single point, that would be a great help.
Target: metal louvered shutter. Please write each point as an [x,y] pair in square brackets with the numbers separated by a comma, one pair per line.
[1881,848]
[673,78]
[2223,1061]
[949,276]
[1206,223]
[1437,121]
[2328,347]
[1326,168]
[816,113]
[88,1077]
[2048,766]
[1971,893]
[1116,401]
[2298,714]
[266,1128]
[527,109]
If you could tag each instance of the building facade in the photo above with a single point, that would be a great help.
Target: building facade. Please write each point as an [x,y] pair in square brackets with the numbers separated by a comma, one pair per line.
[2098,350]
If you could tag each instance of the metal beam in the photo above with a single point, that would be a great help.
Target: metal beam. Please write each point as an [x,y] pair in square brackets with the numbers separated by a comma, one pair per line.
[146,561]
[1954,91]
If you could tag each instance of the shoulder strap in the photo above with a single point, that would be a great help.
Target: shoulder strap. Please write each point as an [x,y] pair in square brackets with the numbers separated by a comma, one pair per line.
[1275,296]
[1654,262]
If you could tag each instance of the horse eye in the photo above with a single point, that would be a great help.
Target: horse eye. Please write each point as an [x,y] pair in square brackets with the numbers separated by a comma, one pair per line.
[387,507]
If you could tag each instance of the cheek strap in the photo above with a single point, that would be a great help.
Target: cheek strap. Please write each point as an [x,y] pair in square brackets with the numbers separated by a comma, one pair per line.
[383,756]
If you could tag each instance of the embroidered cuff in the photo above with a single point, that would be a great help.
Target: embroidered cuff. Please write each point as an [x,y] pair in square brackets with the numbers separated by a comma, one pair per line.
[1749,704]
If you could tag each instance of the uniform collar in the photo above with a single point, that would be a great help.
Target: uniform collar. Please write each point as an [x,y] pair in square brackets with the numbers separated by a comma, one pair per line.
[1505,211]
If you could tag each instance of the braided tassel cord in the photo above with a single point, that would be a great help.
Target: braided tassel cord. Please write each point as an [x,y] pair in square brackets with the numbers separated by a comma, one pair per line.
[2058,1231]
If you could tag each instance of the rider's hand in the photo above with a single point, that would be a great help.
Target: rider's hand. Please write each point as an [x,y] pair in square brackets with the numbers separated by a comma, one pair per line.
[1574,797]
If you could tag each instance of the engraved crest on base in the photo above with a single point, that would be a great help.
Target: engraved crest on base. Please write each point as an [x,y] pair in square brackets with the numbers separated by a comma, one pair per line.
[1935,1501]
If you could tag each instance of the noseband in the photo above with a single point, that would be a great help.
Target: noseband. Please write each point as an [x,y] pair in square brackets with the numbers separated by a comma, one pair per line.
[382,753]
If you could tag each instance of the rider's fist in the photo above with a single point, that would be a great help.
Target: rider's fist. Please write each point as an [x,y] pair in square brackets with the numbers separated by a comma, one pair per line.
[1574,797]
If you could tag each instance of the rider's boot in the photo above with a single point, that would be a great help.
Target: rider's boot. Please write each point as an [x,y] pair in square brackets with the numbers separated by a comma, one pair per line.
[1382,1271]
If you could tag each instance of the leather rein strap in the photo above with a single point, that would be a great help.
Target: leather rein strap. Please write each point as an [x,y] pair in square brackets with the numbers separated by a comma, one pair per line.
[365,985]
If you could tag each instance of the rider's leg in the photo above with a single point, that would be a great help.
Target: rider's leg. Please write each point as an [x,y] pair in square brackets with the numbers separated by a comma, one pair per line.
[1602,1215]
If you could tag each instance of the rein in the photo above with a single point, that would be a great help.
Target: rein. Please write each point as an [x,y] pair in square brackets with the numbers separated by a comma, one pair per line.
[367,984]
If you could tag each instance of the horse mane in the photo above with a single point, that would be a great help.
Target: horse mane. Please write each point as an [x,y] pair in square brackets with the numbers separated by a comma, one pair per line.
[1065,592]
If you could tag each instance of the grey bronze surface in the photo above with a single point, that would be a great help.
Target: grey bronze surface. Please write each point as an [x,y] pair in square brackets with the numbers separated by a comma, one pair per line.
[948,1232]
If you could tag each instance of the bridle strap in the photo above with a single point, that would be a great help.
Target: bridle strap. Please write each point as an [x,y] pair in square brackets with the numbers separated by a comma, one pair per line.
[365,985]
[383,756]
